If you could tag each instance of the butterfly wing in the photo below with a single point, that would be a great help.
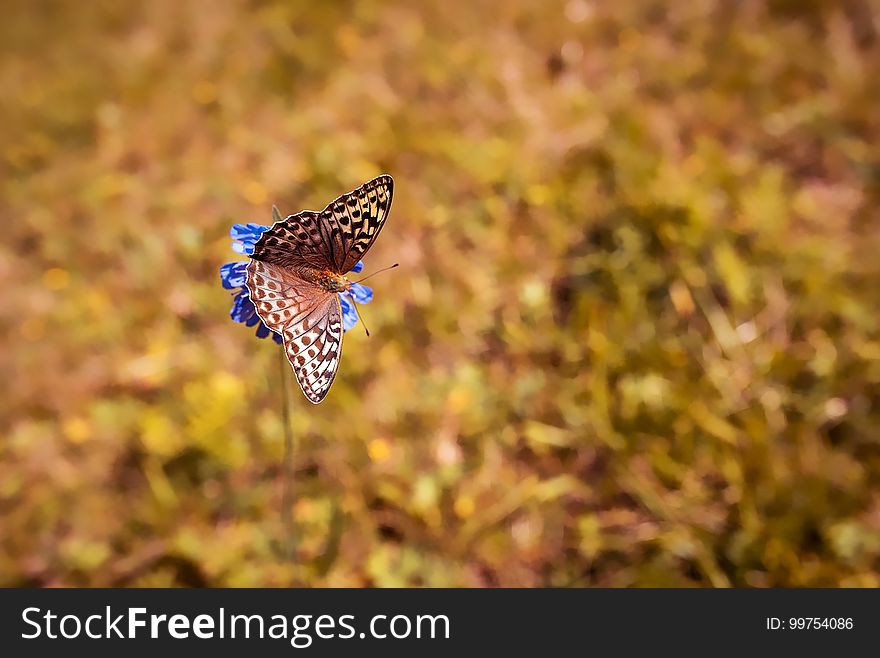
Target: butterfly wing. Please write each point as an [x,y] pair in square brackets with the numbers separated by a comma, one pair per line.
[351,223]
[298,241]
[334,239]
[309,320]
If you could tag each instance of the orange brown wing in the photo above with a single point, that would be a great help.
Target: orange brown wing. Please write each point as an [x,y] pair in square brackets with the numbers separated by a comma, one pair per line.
[350,224]
[309,320]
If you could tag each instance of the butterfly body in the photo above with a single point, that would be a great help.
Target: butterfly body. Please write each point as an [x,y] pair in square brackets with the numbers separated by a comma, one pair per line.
[324,279]
[334,282]
[297,268]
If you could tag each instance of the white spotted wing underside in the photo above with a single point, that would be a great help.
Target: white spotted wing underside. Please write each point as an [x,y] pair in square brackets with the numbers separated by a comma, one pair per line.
[281,272]
[307,317]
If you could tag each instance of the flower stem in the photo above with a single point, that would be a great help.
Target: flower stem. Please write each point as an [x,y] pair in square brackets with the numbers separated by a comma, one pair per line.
[289,540]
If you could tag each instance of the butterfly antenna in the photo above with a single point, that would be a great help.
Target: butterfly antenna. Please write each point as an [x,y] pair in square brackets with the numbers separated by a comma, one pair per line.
[360,317]
[384,269]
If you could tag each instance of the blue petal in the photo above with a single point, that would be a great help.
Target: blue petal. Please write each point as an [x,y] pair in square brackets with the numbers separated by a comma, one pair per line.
[357,268]
[233,275]
[244,248]
[243,308]
[360,293]
[245,236]
[250,232]
[349,315]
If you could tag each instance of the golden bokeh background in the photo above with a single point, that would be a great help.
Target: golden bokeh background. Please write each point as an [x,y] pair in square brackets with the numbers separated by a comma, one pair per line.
[633,340]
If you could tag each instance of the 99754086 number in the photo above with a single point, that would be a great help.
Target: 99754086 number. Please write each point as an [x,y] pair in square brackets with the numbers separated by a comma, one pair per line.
[809,623]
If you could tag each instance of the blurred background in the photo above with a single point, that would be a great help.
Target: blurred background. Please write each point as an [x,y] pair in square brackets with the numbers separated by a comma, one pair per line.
[633,340]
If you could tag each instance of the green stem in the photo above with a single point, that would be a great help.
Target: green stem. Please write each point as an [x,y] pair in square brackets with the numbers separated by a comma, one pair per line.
[289,539]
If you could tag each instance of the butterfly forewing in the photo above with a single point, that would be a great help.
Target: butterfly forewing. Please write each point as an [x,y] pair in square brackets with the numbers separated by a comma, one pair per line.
[354,220]
[308,319]
[295,242]
[280,277]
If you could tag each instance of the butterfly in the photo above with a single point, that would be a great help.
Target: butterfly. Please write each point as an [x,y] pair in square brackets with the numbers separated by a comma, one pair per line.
[297,269]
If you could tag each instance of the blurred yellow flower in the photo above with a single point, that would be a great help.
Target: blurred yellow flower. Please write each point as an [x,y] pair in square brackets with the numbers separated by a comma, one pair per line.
[56,278]
[538,194]
[227,385]
[464,506]
[77,429]
[458,399]
[379,450]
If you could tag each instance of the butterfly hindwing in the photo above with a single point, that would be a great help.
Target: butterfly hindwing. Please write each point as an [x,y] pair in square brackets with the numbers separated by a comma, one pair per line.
[314,349]
[308,318]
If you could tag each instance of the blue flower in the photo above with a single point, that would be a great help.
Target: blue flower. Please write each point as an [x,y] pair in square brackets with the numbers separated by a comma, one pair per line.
[233,277]
[245,236]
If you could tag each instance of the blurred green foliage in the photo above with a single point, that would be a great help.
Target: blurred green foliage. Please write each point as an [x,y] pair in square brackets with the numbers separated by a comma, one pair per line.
[633,340]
